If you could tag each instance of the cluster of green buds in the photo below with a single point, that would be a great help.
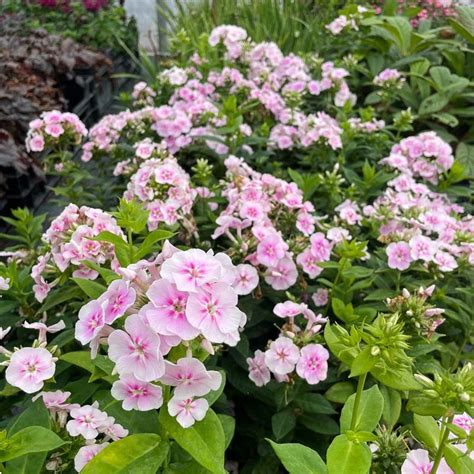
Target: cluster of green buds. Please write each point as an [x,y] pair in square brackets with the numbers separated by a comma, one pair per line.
[419,317]
[379,348]
[384,344]
[445,394]
[403,120]
[203,172]
[389,451]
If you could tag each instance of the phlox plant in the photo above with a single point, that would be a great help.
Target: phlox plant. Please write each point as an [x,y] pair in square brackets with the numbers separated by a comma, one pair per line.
[284,282]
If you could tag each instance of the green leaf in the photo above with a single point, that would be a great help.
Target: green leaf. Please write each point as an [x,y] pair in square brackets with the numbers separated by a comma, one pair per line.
[131,215]
[83,359]
[369,412]
[151,239]
[228,425]
[458,461]
[340,392]
[91,288]
[59,296]
[35,415]
[360,436]
[400,379]
[348,457]
[427,407]
[433,103]
[299,459]
[283,422]
[33,439]
[204,441]
[332,336]
[427,431]
[136,454]
[135,421]
[392,405]
[463,22]
[363,363]
[343,311]
[122,249]
[108,275]
[314,403]
[323,424]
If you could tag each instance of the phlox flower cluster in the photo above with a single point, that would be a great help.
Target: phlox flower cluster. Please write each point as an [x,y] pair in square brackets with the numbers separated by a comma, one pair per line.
[192,113]
[144,150]
[54,128]
[333,79]
[418,316]
[232,37]
[425,9]
[389,78]
[294,350]
[370,126]
[165,189]
[182,297]
[93,425]
[306,131]
[420,225]
[424,156]
[346,22]
[270,225]
[70,244]
[143,94]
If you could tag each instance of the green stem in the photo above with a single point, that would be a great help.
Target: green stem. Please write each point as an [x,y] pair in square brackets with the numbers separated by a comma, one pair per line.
[342,264]
[442,444]
[130,244]
[360,389]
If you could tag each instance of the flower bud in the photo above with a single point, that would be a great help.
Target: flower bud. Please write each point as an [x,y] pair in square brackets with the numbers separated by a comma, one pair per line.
[207,346]
[424,380]
[375,350]
[405,293]
[464,397]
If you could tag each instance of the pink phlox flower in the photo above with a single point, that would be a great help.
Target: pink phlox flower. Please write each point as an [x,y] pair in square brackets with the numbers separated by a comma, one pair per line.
[136,394]
[283,275]
[258,371]
[167,312]
[29,367]
[282,356]
[43,329]
[215,312]
[91,320]
[118,297]
[188,411]
[246,279]
[191,269]
[86,453]
[312,364]
[289,309]
[86,421]
[191,378]
[136,350]
[418,462]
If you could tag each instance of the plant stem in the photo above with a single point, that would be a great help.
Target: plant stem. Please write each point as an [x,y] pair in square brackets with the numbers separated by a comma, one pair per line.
[360,389]
[442,443]
[130,244]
